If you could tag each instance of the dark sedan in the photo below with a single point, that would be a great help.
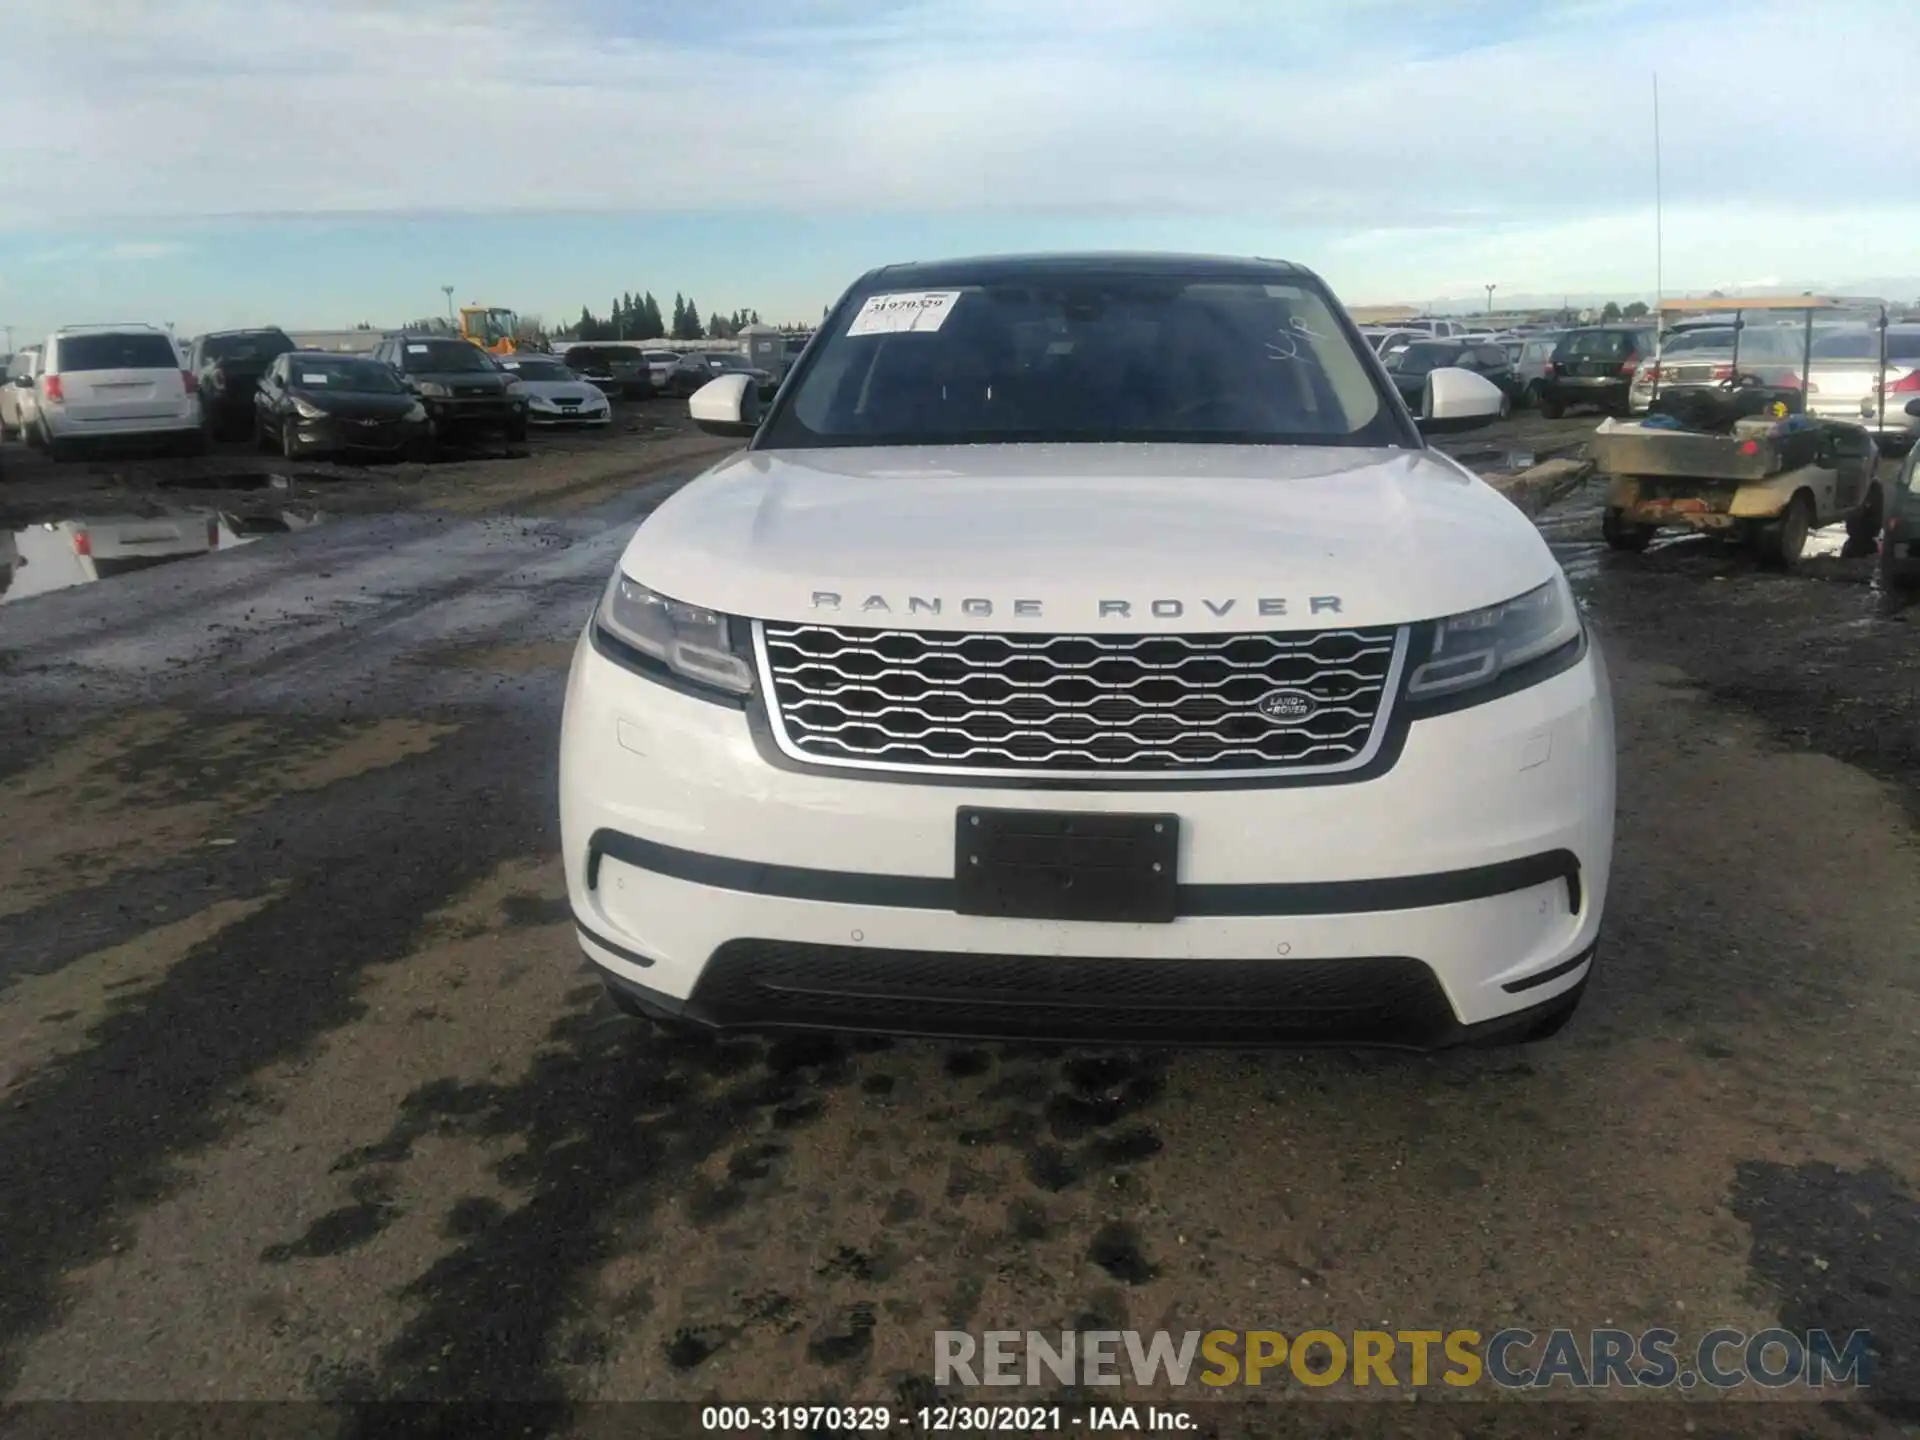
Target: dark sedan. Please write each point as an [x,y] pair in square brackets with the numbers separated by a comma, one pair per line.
[318,403]
[228,365]
[1410,367]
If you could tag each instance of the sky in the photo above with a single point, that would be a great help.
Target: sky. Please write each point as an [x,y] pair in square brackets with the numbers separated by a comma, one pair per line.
[316,163]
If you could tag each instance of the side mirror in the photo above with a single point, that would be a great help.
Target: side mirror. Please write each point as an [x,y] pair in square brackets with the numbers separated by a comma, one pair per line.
[1454,400]
[729,405]
[1913,408]
[23,382]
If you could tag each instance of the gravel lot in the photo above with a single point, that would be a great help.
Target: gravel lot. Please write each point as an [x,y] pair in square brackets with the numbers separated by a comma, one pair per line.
[304,1093]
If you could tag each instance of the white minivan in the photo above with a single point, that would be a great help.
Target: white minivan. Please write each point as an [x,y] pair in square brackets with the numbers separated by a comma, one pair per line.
[114,382]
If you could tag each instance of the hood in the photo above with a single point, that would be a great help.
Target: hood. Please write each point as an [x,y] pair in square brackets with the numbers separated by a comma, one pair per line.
[1045,538]
[489,380]
[355,404]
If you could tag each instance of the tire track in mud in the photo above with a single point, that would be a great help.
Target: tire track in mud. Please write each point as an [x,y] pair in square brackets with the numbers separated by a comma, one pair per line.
[92,1136]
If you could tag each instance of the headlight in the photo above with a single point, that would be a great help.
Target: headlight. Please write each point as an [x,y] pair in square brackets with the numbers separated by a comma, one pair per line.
[685,638]
[416,414]
[307,410]
[540,402]
[432,388]
[1479,646]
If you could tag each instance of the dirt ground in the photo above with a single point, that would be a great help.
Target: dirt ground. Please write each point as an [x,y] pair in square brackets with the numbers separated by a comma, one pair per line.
[305,1094]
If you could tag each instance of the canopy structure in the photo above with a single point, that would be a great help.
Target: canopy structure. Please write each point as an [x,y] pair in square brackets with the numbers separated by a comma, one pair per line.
[1807,307]
[1723,305]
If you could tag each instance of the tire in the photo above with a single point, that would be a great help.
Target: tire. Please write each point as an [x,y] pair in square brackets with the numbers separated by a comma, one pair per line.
[1621,536]
[1551,406]
[1864,523]
[516,431]
[1530,397]
[1781,542]
[57,450]
[261,440]
[1506,405]
[289,445]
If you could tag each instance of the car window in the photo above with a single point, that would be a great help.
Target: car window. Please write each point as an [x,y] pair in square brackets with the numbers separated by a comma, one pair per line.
[1068,358]
[443,357]
[1596,345]
[537,369]
[339,372]
[127,351]
[1422,356]
[1493,357]
[258,346]
[20,365]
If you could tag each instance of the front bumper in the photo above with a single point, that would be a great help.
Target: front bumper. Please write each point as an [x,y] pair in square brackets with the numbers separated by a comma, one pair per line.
[580,416]
[1462,888]
[332,435]
[474,414]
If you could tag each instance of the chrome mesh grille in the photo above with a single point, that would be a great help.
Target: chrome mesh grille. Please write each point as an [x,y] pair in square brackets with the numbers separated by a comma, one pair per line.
[1078,704]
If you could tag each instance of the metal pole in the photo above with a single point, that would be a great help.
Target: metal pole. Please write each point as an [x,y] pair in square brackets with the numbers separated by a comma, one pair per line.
[1806,365]
[1883,373]
[1490,290]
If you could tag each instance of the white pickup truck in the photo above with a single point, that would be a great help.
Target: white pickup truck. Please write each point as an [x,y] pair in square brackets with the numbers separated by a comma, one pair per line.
[1091,646]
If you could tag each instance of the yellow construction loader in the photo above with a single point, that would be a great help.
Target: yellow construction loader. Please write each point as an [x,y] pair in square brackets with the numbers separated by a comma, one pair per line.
[493,329]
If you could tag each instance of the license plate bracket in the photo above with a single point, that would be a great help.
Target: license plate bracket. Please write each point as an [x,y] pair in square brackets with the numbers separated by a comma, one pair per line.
[1066,865]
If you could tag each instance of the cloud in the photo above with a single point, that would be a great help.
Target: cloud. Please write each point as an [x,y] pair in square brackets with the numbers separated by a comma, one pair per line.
[1335,113]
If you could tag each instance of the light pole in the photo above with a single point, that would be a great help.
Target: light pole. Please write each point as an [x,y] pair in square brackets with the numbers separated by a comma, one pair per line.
[447,290]
[9,330]
[1490,290]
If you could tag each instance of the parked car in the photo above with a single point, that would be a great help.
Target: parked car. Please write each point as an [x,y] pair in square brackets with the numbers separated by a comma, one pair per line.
[660,365]
[17,416]
[1141,709]
[116,384]
[1594,365]
[1530,369]
[555,395]
[462,388]
[1702,356]
[317,402]
[621,371]
[1411,366]
[697,368]
[1844,385]
[229,364]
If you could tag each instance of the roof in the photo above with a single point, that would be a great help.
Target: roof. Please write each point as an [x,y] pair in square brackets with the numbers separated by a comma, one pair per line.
[999,269]
[249,330]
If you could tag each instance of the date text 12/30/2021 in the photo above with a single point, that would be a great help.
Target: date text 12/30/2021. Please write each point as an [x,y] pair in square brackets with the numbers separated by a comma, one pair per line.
[944,1419]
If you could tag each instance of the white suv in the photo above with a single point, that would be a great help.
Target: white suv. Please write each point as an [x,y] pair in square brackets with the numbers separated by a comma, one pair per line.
[114,382]
[1091,646]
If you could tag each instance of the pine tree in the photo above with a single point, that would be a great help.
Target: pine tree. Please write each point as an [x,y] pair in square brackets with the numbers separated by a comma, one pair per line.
[679,316]
[717,326]
[652,327]
[585,328]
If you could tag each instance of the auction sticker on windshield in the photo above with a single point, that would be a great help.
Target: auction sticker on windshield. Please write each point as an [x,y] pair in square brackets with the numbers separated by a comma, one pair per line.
[913,310]
[307,378]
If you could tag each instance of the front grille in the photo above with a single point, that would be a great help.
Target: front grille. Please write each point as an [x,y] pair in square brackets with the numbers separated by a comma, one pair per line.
[475,392]
[1079,704]
[1363,1000]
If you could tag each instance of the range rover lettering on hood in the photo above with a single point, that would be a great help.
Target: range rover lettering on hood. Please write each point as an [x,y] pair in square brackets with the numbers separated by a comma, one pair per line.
[979,606]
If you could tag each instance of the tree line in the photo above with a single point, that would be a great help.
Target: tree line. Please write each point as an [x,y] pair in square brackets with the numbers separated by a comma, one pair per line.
[639,317]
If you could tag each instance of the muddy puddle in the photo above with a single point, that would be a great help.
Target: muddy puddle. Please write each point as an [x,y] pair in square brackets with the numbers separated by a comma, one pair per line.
[60,554]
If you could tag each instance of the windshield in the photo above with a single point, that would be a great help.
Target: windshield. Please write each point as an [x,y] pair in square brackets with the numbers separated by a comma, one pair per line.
[1597,344]
[117,352]
[1112,357]
[260,345]
[1421,357]
[340,372]
[538,370]
[443,357]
